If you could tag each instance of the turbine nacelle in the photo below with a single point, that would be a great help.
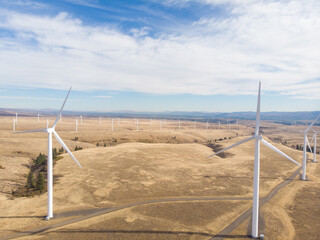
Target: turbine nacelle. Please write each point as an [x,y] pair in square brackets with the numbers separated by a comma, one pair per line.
[257,137]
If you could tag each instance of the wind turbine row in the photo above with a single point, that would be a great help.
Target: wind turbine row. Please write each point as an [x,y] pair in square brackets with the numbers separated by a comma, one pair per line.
[256,175]
[51,131]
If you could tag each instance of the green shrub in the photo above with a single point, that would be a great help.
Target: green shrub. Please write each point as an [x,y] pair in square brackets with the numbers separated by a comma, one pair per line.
[40,182]
[31,183]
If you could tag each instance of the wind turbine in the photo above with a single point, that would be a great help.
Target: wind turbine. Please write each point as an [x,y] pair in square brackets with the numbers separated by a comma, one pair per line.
[305,142]
[38,117]
[14,125]
[81,119]
[47,123]
[256,175]
[76,125]
[51,131]
[314,139]
[16,117]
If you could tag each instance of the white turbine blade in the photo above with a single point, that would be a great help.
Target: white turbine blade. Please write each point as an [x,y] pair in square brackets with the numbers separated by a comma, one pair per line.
[58,116]
[258,112]
[33,130]
[309,145]
[65,147]
[236,144]
[312,138]
[314,121]
[278,151]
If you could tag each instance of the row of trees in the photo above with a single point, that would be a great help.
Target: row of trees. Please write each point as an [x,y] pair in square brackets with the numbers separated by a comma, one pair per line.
[36,178]
[38,184]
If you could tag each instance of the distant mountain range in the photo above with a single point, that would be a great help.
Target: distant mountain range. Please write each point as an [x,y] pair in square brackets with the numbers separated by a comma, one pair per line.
[278,117]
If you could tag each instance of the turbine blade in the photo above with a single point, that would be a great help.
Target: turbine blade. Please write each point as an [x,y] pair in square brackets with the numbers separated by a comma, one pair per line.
[58,116]
[278,151]
[312,137]
[309,145]
[236,144]
[314,121]
[258,112]
[65,147]
[30,131]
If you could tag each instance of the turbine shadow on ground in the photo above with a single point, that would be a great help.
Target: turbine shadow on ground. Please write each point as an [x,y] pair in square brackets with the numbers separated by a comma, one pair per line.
[146,232]
[21,217]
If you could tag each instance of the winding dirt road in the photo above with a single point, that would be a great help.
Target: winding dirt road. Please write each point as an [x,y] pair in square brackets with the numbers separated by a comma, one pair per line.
[90,213]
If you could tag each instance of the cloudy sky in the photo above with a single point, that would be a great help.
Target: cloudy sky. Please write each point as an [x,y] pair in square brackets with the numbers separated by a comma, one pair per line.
[157,55]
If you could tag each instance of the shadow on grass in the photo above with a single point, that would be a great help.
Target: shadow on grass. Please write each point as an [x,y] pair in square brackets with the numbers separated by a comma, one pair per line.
[147,232]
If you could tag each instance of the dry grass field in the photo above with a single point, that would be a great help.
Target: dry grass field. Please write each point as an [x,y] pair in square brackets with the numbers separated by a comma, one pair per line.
[155,183]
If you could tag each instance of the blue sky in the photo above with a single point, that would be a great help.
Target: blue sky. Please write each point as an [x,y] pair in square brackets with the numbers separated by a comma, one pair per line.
[165,55]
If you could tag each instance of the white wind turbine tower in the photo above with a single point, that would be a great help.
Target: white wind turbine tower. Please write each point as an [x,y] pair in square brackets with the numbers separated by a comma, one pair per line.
[112,124]
[38,117]
[14,125]
[81,119]
[76,125]
[315,146]
[305,143]
[207,125]
[47,123]
[51,131]
[258,138]
[16,117]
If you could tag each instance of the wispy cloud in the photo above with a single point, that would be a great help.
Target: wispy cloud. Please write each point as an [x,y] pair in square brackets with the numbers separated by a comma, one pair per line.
[276,42]
[103,96]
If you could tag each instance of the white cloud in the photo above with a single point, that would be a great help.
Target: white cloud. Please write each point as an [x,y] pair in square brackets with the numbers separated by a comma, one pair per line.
[103,96]
[276,42]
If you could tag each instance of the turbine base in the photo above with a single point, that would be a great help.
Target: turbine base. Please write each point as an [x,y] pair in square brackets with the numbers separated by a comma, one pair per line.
[307,179]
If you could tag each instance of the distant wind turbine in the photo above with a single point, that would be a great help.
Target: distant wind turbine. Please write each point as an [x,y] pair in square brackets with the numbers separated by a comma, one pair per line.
[47,123]
[14,124]
[38,117]
[305,143]
[76,125]
[258,138]
[51,131]
[16,117]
